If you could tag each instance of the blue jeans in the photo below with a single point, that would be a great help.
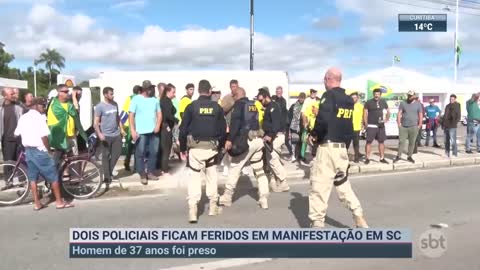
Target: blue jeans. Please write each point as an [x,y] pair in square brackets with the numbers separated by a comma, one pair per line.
[433,128]
[472,130]
[40,163]
[451,141]
[146,148]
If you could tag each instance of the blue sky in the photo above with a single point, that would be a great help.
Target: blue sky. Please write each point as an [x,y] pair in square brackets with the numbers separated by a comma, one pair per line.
[303,37]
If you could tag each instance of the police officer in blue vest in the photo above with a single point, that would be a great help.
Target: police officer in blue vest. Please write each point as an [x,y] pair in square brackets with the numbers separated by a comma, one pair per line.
[202,133]
[245,144]
[333,129]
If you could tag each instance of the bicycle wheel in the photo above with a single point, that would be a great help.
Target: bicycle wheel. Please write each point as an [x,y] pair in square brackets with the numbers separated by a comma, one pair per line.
[81,179]
[14,187]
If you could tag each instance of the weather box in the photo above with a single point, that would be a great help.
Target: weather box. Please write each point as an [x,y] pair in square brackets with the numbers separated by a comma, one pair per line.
[422,22]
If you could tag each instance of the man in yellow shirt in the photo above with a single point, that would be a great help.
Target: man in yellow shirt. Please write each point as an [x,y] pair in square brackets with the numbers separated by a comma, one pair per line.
[187,99]
[357,125]
[310,105]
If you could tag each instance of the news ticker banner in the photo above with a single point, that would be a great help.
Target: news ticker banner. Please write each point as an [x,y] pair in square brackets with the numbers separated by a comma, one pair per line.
[239,243]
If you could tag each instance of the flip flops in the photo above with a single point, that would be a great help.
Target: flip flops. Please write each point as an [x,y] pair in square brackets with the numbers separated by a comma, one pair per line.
[65,205]
[39,208]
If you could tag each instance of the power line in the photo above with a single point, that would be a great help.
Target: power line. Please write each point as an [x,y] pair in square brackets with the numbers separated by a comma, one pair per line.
[468,4]
[428,7]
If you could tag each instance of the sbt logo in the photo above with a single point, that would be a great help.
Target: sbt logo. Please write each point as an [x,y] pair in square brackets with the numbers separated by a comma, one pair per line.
[433,243]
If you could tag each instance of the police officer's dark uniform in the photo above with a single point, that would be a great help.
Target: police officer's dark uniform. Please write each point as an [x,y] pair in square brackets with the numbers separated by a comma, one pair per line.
[273,128]
[333,128]
[203,131]
[247,145]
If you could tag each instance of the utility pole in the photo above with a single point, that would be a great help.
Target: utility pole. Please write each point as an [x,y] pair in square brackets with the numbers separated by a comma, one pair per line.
[251,34]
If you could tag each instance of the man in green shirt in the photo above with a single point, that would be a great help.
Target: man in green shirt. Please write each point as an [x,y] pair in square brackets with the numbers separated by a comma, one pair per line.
[473,123]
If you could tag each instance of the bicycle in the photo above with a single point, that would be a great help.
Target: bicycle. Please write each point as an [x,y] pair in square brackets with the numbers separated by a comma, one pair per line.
[80,178]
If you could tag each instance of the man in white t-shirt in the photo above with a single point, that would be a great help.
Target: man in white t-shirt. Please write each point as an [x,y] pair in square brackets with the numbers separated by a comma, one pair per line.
[32,128]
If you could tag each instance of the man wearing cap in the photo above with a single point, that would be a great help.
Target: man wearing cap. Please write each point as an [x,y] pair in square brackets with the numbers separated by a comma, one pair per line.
[294,124]
[409,120]
[32,128]
[216,94]
[202,134]
[145,120]
[433,113]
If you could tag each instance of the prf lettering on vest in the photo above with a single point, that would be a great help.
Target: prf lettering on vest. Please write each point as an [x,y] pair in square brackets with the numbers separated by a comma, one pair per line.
[206,110]
[345,113]
[252,108]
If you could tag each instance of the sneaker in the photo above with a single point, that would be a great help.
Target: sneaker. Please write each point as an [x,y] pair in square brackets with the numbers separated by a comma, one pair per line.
[304,163]
[151,176]
[273,186]
[293,159]
[263,203]
[213,208]
[396,159]
[143,179]
[283,186]
[192,214]
[411,159]
[360,222]
[469,152]
[436,146]
[226,198]
[317,224]
[384,161]
[367,161]
[355,160]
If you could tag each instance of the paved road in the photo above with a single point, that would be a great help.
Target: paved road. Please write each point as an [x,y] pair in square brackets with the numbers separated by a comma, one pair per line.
[415,200]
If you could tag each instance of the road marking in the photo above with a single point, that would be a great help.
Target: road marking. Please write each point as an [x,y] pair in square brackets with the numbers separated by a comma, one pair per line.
[219,264]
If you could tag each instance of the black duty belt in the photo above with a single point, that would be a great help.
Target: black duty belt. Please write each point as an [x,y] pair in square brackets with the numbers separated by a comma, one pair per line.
[332,144]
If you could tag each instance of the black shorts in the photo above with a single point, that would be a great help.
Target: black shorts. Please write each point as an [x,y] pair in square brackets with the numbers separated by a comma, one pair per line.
[378,134]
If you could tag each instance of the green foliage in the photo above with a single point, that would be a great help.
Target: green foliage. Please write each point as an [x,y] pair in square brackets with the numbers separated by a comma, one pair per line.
[5,59]
[96,95]
[52,59]
[46,80]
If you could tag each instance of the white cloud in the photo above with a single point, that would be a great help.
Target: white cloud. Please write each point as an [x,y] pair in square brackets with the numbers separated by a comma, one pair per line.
[134,4]
[41,15]
[79,38]
[327,23]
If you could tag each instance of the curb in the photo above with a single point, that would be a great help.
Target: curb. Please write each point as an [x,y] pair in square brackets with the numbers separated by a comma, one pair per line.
[178,181]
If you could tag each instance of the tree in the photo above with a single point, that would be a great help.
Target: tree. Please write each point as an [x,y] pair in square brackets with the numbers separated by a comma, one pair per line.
[84,84]
[5,59]
[51,59]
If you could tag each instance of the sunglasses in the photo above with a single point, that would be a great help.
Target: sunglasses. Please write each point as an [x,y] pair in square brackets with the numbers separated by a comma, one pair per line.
[64,91]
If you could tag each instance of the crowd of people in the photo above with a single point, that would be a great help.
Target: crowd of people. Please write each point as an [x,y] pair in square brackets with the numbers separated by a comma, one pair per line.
[154,126]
